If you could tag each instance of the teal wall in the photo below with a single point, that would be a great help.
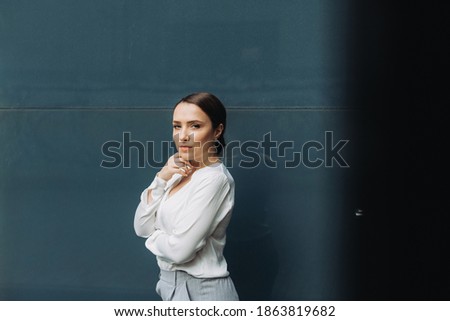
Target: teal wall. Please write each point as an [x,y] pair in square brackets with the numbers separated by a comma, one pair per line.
[67,222]
[145,53]
[77,74]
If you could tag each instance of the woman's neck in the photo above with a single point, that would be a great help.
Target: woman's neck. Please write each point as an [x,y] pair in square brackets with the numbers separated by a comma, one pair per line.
[207,162]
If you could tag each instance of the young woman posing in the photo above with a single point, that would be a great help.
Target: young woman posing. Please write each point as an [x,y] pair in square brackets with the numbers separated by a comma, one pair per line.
[185,211]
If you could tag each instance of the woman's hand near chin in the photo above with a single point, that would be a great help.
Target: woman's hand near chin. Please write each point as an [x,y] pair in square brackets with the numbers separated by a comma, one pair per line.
[175,165]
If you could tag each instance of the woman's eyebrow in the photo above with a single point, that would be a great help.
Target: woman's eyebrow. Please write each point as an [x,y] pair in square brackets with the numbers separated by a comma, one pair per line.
[189,122]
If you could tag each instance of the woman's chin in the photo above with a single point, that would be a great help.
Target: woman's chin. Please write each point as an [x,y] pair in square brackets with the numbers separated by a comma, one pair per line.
[185,155]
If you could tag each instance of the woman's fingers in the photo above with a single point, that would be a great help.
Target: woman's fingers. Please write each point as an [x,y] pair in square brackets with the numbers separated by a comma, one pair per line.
[185,162]
[176,164]
[180,162]
[186,170]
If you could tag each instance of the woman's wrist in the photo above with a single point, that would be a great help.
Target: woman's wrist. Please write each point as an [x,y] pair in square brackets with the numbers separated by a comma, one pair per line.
[156,188]
[162,175]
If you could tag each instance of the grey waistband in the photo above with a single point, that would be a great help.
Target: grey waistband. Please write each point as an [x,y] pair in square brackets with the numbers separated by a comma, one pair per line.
[174,277]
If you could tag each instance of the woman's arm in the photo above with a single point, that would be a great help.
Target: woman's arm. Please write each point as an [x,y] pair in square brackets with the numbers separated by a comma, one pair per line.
[205,209]
[145,216]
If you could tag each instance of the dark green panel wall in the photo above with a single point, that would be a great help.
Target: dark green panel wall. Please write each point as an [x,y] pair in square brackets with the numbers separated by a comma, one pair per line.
[66,221]
[77,74]
[145,53]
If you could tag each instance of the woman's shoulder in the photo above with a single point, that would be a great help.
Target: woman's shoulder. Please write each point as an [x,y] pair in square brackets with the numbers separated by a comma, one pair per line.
[216,172]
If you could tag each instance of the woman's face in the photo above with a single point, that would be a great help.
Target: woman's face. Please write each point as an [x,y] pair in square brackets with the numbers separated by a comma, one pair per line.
[193,133]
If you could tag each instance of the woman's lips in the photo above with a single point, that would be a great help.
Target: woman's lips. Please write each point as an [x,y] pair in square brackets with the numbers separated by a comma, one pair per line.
[185,148]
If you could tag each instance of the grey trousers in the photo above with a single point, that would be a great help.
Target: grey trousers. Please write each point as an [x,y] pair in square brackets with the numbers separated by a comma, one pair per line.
[181,286]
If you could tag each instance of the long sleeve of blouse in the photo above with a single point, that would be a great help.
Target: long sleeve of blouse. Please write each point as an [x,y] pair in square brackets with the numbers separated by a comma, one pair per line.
[145,216]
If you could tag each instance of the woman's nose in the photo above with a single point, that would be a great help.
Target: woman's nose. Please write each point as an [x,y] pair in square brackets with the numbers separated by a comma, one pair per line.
[184,135]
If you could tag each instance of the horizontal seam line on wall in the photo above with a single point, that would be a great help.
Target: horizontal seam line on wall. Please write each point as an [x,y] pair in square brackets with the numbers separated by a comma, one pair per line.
[231,108]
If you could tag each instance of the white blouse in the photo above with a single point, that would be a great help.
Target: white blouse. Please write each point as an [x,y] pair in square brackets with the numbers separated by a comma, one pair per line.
[186,230]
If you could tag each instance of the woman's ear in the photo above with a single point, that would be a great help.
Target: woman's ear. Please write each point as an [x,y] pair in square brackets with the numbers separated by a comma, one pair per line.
[218,131]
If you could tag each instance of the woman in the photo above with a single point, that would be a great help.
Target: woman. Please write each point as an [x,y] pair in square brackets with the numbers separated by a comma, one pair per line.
[185,211]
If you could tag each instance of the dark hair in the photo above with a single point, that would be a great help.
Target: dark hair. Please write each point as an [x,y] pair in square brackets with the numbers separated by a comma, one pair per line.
[213,107]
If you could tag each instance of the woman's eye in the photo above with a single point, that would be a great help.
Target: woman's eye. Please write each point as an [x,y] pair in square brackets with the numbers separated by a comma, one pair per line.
[195,126]
[176,126]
